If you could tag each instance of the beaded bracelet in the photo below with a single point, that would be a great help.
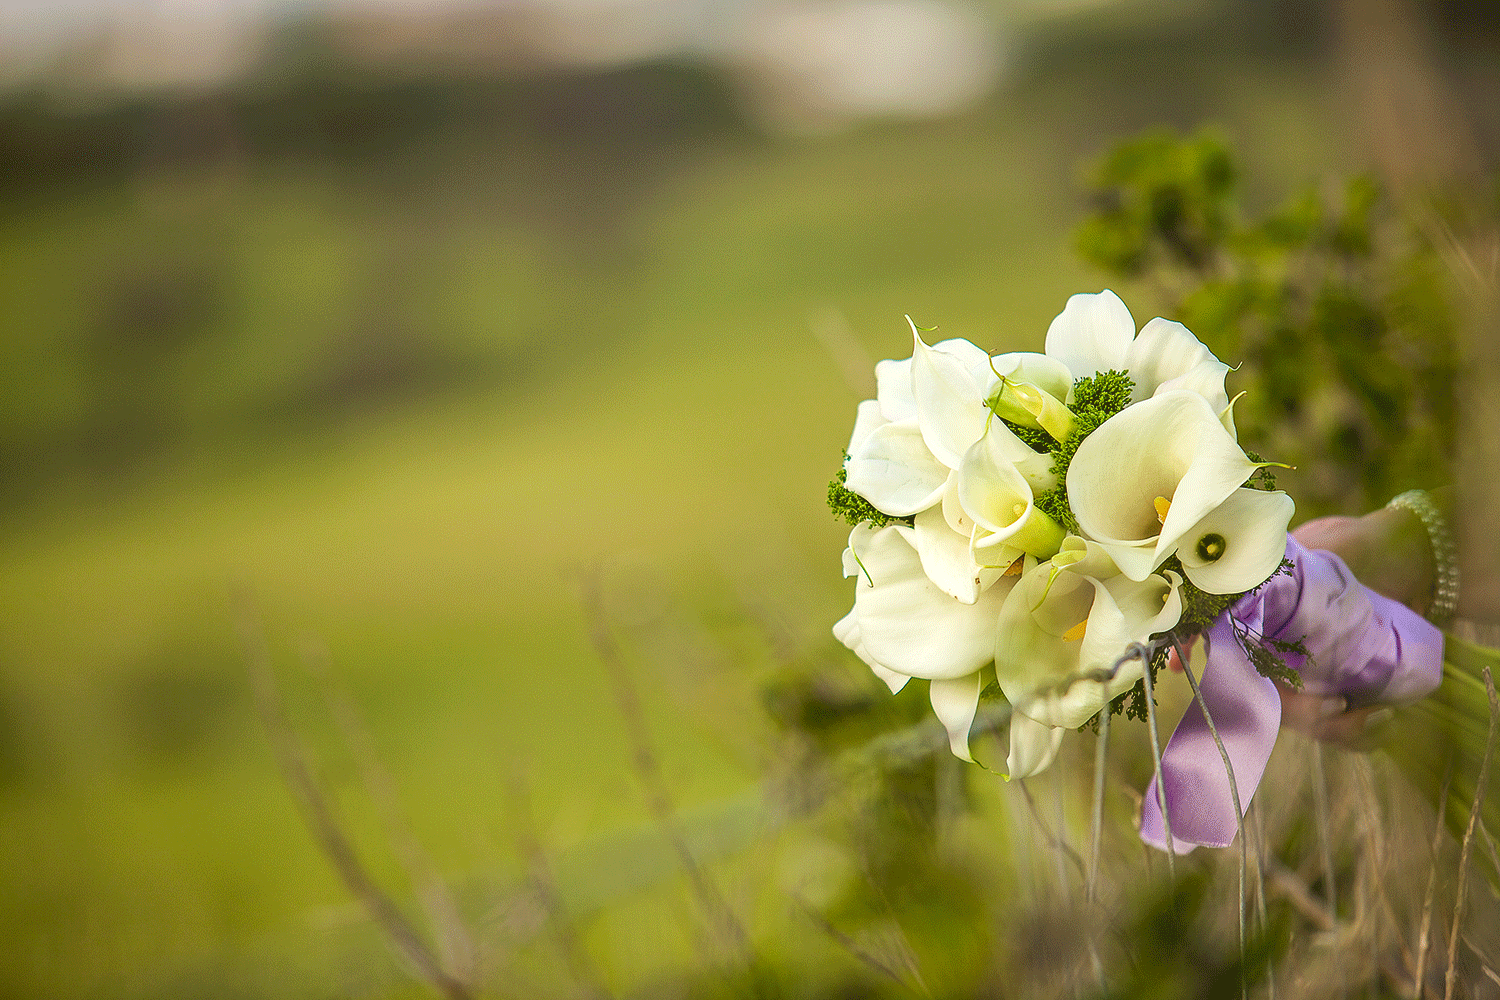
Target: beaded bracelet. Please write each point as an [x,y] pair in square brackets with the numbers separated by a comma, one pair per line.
[1444,553]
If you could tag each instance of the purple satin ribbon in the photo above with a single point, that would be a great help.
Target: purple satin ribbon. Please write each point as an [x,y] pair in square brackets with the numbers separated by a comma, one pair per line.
[1362,645]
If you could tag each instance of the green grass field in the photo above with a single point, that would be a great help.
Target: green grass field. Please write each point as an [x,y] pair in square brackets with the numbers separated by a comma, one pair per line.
[629,391]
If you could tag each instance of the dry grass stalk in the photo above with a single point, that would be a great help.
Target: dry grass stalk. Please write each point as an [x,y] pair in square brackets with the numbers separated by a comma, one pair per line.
[724,925]
[1161,789]
[1450,979]
[544,885]
[1423,934]
[863,955]
[455,944]
[318,812]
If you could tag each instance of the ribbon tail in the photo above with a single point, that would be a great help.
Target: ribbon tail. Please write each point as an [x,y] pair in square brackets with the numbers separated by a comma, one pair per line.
[1246,711]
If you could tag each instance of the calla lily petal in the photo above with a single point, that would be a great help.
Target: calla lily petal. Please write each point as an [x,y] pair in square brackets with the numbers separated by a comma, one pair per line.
[893,390]
[950,397]
[907,624]
[1086,558]
[955,702]
[846,630]
[1091,334]
[866,418]
[995,554]
[1166,356]
[1043,409]
[1207,380]
[894,470]
[1239,543]
[1033,746]
[953,511]
[946,555]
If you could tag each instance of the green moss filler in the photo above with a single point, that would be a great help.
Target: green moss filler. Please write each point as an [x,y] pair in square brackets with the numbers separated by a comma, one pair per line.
[854,508]
[1096,398]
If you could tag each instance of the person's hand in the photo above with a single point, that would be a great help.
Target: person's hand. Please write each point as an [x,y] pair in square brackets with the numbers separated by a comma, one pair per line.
[1388,552]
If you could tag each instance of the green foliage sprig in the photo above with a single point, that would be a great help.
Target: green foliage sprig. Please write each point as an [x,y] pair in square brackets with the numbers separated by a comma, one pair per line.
[1340,310]
[1262,478]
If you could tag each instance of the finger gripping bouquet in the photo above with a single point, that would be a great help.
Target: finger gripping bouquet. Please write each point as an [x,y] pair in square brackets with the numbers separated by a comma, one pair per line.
[1028,518]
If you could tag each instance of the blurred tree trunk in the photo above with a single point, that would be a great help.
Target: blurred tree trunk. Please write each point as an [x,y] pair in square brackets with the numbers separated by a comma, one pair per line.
[1421,139]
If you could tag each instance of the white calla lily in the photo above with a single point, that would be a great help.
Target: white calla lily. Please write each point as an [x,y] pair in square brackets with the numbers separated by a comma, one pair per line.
[1048,374]
[902,622]
[1096,333]
[928,409]
[866,419]
[1032,392]
[950,384]
[997,496]
[846,630]
[1238,544]
[1085,557]
[893,389]
[1033,746]
[1145,476]
[1056,625]
[1092,334]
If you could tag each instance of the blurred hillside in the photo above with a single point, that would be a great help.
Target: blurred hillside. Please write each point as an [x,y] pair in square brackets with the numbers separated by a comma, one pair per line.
[431,220]
[400,331]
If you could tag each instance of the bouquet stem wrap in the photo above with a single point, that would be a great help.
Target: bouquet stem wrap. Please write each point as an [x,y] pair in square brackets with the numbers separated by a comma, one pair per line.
[1360,644]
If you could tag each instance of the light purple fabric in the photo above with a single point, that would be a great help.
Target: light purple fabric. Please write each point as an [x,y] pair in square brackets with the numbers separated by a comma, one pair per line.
[1362,645]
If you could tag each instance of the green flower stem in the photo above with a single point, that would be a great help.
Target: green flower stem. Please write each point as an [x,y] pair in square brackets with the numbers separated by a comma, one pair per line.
[1040,536]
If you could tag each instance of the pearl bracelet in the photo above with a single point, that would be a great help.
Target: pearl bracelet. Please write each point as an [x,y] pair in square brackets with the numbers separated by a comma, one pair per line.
[1444,553]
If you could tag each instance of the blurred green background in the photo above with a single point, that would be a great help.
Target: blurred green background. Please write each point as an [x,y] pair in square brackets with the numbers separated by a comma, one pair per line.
[399,335]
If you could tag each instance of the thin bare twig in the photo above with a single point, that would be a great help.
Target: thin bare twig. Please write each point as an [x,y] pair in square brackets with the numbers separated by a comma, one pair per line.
[1101,751]
[1425,928]
[658,797]
[544,884]
[1481,957]
[861,954]
[1451,979]
[1489,843]
[318,813]
[1320,816]
[1261,852]
[1145,653]
[1059,847]
[1062,839]
[455,945]
[1091,885]
[1325,844]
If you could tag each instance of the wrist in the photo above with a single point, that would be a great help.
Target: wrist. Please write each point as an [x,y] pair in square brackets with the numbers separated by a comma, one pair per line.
[1426,531]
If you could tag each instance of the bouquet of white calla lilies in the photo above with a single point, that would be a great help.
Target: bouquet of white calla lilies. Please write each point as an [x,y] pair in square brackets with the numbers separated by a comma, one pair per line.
[1029,517]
